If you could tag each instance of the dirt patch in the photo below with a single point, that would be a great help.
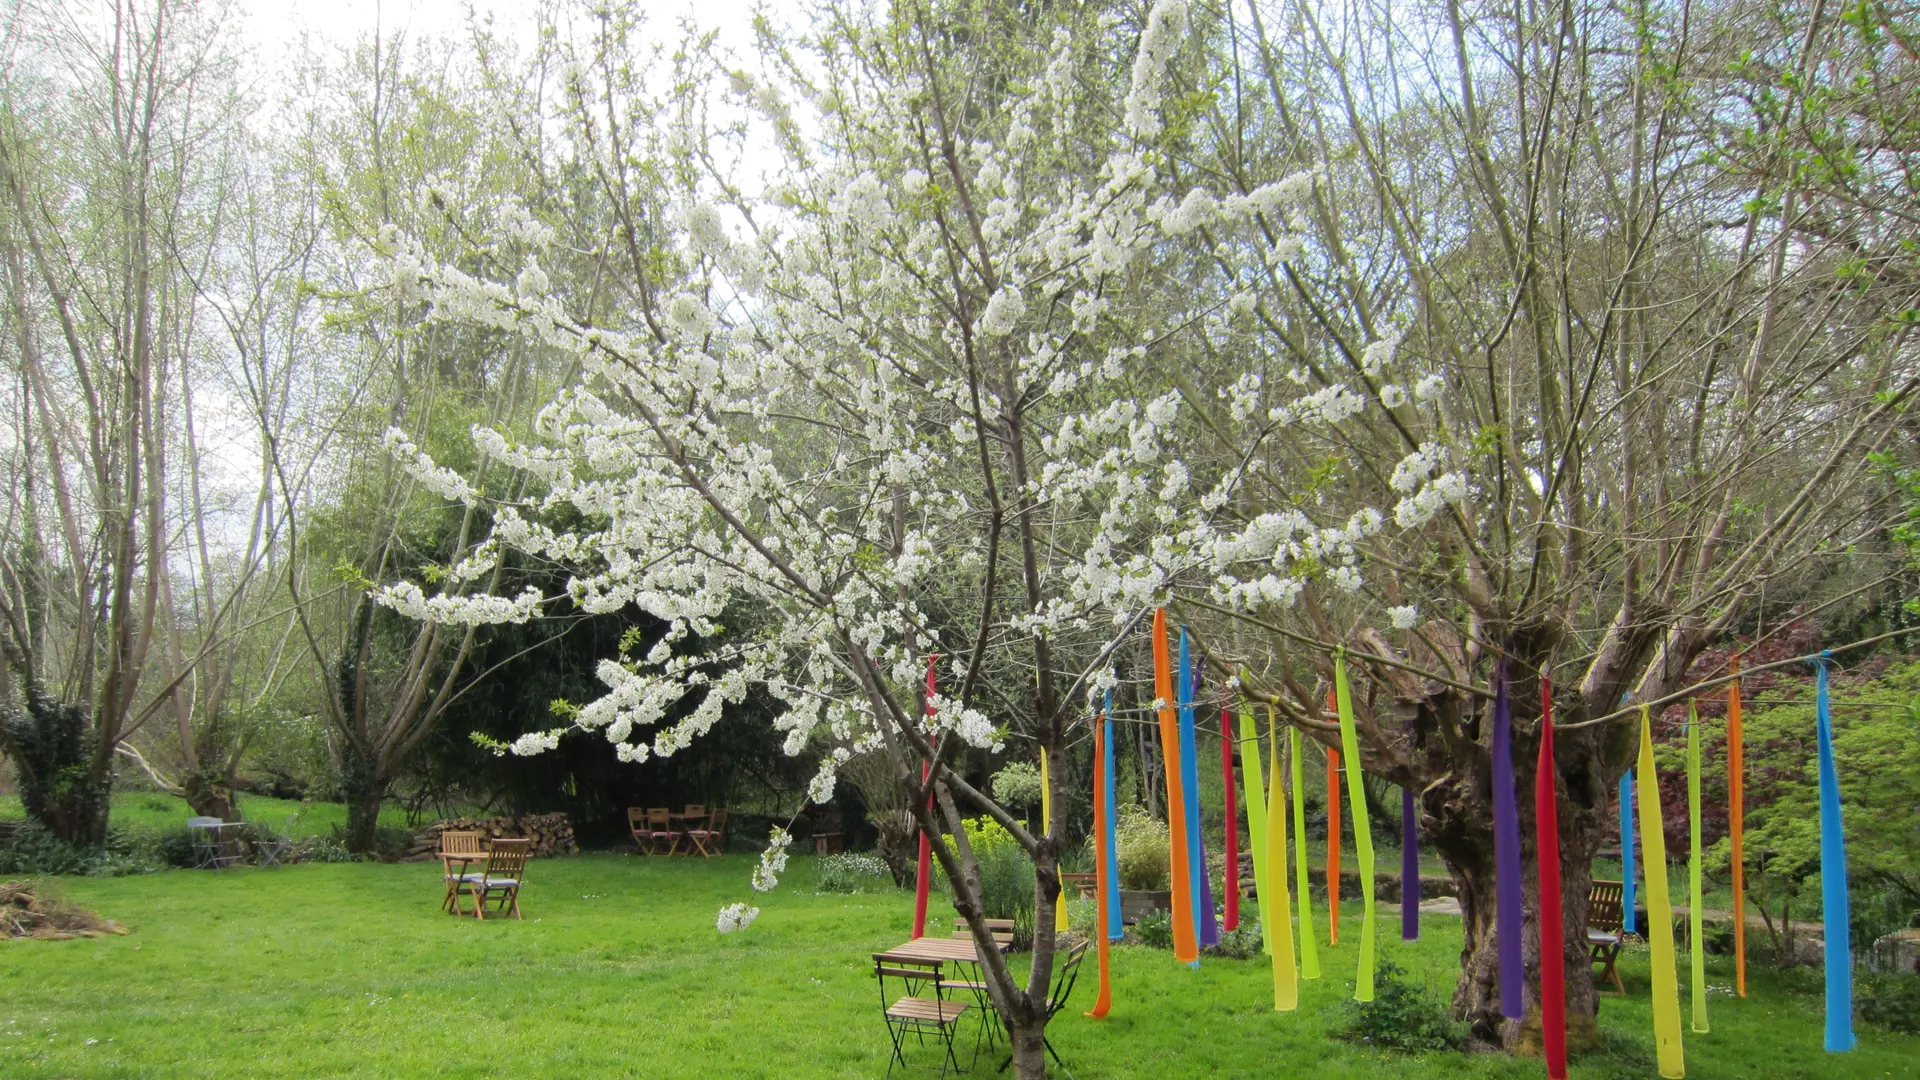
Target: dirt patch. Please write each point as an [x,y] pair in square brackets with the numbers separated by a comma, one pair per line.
[25,913]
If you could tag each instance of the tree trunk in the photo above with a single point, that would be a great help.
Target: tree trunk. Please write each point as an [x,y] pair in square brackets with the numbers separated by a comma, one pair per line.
[51,743]
[1463,834]
[208,797]
[1029,1042]
[364,790]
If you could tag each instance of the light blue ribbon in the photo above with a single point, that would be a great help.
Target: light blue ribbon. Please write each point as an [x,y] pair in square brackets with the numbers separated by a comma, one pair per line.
[1833,882]
[1627,898]
[1115,931]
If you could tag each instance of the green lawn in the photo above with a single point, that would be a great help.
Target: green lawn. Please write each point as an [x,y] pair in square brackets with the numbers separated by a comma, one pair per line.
[350,970]
[158,810]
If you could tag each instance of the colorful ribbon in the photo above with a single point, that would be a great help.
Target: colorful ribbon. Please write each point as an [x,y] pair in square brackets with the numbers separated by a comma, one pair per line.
[1232,881]
[1046,816]
[1286,979]
[1507,914]
[1362,832]
[923,870]
[1409,867]
[1110,862]
[1833,882]
[1206,926]
[1553,937]
[1309,949]
[1257,823]
[1185,948]
[1696,927]
[1736,825]
[1333,838]
[1102,849]
[1668,1051]
[1628,901]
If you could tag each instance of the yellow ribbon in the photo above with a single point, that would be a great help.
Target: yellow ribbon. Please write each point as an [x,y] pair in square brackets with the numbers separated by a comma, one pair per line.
[1362,833]
[1668,1051]
[1309,951]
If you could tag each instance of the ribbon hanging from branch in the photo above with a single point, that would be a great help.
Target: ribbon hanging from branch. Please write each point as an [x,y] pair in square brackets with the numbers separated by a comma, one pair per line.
[1628,901]
[1409,867]
[1046,818]
[1668,1051]
[1736,825]
[1206,926]
[1333,833]
[1696,947]
[1834,907]
[1553,938]
[1185,948]
[1102,848]
[1257,822]
[923,870]
[1110,862]
[1508,913]
[1286,978]
[1231,885]
[1362,832]
[1309,949]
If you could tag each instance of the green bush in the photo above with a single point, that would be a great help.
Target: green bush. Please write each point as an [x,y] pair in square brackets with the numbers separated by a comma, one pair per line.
[321,849]
[1401,1017]
[1890,1001]
[1006,880]
[34,850]
[1143,856]
[851,873]
[1240,943]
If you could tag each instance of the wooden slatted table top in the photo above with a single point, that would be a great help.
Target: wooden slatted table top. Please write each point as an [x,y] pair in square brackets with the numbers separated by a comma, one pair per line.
[938,948]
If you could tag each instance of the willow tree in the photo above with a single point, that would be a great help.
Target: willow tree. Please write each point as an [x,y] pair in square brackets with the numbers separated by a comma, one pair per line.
[1569,370]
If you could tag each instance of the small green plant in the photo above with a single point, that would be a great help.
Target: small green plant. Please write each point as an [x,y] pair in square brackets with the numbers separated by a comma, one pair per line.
[1017,784]
[1155,929]
[851,873]
[1240,943]
[1402,1017]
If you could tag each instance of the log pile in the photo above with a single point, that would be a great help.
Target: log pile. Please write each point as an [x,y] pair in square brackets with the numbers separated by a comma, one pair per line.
[24,914]
[552,834]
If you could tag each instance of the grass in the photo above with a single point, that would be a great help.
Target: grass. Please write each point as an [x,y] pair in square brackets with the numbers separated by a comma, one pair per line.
[349,970]
[150,810]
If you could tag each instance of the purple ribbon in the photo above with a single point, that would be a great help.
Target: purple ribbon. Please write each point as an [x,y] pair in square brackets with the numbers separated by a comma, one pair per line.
[1506,853]
[1409,867]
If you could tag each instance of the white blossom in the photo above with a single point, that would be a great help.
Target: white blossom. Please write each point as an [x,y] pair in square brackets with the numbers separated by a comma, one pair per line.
[736,917]
[1404,616]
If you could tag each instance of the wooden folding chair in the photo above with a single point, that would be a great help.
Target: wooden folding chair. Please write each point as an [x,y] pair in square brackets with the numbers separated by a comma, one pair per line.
[500,882]
[920,1017]
[637,825]
[458,843]
[712,839]
[663,839]
[1066,972]
[1606,932]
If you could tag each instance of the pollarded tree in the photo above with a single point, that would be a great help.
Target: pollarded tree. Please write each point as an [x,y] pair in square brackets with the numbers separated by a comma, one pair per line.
[894,411]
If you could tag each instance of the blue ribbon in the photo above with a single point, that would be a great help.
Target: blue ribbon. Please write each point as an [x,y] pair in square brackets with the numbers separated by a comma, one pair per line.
[1627,898]
[1115,931]
[1833,882]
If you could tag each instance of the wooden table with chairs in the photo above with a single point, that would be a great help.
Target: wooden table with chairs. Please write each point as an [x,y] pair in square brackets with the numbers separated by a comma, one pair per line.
[924,963]
[694,831]
[503,869]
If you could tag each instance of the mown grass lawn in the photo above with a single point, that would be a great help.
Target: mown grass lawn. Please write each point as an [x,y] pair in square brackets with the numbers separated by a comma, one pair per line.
[350,970]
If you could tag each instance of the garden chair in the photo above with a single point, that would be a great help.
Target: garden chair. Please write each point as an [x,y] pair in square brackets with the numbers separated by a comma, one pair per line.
[500,882]
[917,1016]
[206,841]
[712,839]
[662,837]
[1066,973]
[637,825]
[275,845]
[455,871]
[1002,932]
[1606,932]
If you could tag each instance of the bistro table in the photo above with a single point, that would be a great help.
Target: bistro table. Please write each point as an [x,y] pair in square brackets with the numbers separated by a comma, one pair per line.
[681,823]
[944,949]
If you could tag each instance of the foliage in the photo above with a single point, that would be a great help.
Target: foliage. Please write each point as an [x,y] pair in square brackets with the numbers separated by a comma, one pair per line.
[1890,1000]
[1017,784]
[1006,881]
[34,849]
[1240,943]
[1143,854]
[849,872]
[1155,929]
[1402,1016]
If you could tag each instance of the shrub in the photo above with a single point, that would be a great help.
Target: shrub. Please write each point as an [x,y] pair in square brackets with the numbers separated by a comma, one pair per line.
[321,849]
[850,873]
[1006,879]
[1890,1001]
[34,850]
[1143,857]
[1240,943]
[1017,784]
[1402,1017]
[1155,929]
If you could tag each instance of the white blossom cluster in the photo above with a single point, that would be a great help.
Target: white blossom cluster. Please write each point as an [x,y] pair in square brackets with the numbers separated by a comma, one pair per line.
[773,861]
[736,917]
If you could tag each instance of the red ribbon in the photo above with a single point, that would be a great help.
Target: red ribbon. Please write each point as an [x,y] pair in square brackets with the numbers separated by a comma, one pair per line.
[1553,945]
[923,875]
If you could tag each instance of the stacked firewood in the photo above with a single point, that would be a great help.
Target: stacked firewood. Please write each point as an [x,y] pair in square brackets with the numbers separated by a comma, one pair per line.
[552,834]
